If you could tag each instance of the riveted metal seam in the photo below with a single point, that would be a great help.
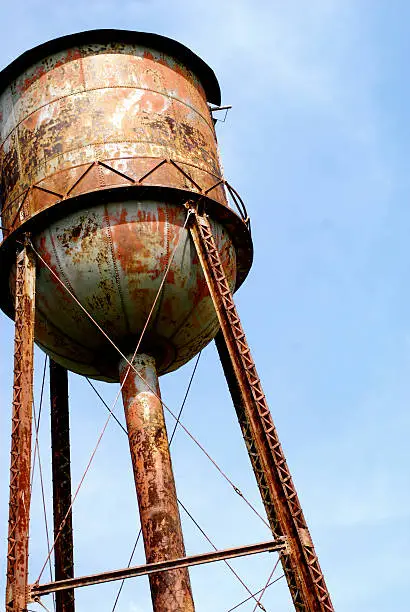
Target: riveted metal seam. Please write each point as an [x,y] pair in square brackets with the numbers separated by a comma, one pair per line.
[106,220]
[167,256]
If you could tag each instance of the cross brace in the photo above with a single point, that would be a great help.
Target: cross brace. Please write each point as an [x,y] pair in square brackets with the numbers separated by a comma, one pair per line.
[37,590]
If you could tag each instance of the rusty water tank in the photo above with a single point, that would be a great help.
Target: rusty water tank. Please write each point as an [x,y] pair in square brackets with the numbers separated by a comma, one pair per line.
[105,136]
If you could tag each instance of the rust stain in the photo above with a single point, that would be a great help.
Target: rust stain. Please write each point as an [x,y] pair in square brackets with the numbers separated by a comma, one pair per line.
[155,486]
[40,71]
[9,172]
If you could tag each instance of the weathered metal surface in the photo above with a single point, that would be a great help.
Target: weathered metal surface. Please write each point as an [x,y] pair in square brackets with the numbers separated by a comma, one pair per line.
[301,565]
[61,470]
[113,258]
[126,104]
[154,482]
[20,465]
[38,590]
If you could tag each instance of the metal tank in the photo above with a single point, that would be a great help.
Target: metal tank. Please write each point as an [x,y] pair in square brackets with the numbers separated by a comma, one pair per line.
[107,141]
[105,136]
[110,179]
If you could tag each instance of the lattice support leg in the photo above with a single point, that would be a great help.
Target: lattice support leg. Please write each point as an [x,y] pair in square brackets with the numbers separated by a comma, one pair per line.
[300,563]
[61,469]
[20,464]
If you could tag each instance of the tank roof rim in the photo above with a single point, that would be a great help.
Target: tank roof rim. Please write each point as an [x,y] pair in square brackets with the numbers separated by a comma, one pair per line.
[163,43]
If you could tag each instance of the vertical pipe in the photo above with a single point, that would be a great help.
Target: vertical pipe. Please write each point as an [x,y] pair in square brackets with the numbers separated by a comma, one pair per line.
[154,482]
[20,463]
[61,470]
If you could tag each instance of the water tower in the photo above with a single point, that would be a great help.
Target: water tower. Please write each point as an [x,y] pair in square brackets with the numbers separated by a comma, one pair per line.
[119,258]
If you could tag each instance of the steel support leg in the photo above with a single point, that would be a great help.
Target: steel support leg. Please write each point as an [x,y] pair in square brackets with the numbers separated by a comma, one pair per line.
[61,470]
[20,465]
[154,481]
[301,565]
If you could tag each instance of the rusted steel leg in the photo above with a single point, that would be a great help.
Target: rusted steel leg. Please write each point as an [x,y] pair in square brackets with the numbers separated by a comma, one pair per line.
[301,565]
[154,481]
[20,465]
[61,469]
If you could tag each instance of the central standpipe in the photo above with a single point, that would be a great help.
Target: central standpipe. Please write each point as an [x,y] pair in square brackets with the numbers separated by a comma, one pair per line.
[154,482]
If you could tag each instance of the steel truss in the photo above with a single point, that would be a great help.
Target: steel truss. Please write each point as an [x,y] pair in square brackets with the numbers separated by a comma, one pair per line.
[20,460]
[301,565]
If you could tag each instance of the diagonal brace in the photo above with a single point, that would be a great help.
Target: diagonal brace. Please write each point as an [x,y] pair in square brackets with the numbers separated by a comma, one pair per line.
[37,590]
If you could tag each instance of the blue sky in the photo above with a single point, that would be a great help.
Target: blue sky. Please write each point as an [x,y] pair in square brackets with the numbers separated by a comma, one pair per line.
[317,144]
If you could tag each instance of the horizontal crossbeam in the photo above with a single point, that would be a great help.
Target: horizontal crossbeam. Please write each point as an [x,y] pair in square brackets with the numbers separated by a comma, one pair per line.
[38,590]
